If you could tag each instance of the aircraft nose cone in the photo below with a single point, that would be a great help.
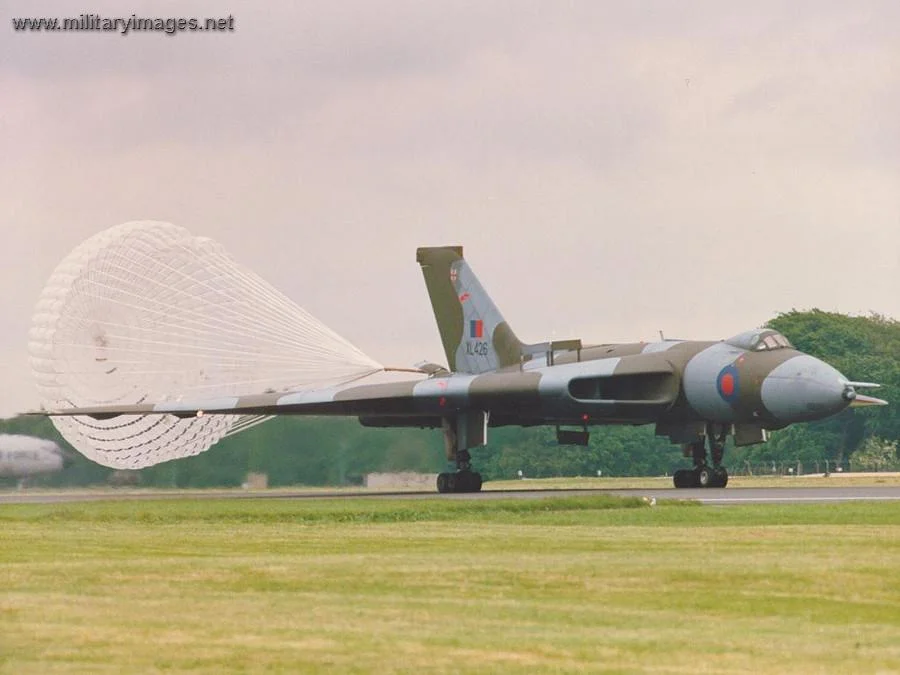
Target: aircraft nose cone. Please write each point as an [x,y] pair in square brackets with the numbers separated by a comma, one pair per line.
[804,388]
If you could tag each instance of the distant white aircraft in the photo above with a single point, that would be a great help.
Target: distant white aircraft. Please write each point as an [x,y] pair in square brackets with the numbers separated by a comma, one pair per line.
[25,456]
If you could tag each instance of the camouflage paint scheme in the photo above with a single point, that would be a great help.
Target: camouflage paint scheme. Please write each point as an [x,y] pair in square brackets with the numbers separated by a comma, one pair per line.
[692,391]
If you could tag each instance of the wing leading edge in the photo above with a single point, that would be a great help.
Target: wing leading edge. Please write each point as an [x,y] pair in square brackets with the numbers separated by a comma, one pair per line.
[602,388]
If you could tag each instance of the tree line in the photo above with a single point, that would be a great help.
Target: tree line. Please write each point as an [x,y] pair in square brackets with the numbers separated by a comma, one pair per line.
[338,451]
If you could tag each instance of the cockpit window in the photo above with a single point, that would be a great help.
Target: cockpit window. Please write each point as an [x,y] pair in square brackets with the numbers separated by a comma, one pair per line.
[760,341]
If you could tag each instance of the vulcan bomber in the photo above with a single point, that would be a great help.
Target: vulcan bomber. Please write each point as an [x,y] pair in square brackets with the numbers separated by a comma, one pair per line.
[695,393]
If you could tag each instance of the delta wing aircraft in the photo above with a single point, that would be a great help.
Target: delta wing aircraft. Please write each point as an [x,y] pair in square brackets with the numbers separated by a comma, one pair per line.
[696,393]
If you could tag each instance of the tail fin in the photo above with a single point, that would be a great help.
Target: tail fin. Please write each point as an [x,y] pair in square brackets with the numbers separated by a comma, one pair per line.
[476,338]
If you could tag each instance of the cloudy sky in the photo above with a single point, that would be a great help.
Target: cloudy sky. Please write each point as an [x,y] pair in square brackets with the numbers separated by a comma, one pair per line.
[612,168]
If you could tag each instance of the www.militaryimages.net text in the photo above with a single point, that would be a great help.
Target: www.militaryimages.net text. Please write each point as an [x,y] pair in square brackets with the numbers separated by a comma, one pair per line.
[96,23]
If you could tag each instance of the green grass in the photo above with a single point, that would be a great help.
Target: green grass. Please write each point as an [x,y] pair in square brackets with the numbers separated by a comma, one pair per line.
[582,584]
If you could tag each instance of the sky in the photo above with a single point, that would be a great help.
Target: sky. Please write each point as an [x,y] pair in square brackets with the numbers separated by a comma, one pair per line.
[612,169]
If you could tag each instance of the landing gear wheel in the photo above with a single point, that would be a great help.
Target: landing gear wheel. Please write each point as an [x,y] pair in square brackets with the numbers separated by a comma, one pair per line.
[468,481]
[450,482]
[684,478]
[721,476]
[464,481]
[476,483]
[461,481]
[706,477]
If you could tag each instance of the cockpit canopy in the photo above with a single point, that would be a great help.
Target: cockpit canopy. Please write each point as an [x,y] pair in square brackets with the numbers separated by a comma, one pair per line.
[760,340]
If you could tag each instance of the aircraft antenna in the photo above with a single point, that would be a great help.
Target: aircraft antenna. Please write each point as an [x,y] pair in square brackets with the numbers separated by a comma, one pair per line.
[147,312]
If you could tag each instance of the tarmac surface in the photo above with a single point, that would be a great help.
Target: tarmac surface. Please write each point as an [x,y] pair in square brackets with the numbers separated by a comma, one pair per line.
[713,496]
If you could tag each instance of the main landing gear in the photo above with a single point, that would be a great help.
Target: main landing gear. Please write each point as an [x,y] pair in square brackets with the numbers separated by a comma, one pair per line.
[463,479]
[466,430]
[703,475]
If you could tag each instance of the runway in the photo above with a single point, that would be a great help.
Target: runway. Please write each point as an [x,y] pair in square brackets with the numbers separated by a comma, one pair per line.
[712,496]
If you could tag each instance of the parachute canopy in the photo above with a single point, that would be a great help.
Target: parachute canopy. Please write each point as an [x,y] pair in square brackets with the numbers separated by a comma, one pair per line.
[145,311]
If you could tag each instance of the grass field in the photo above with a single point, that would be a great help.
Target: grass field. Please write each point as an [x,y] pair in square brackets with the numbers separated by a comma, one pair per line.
[582,584]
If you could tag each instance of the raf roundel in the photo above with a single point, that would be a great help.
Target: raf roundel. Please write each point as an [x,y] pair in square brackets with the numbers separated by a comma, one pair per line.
[728,383]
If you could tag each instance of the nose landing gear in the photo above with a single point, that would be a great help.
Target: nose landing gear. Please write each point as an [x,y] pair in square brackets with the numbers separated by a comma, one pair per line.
[703,475]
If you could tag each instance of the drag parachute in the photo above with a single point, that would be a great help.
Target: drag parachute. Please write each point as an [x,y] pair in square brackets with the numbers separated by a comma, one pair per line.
[145,311]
